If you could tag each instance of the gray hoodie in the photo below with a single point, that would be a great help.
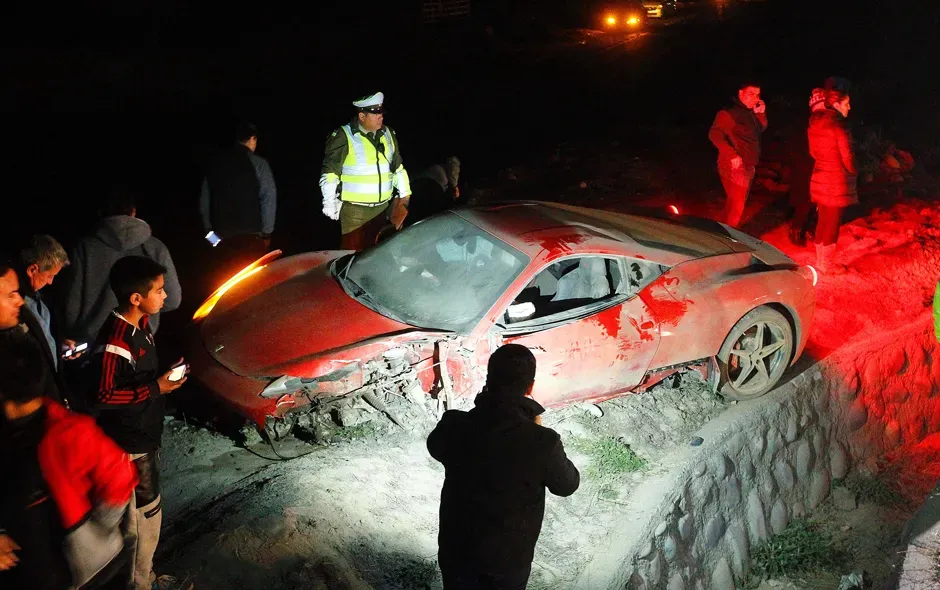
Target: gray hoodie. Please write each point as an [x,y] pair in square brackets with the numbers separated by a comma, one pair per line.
[89,299]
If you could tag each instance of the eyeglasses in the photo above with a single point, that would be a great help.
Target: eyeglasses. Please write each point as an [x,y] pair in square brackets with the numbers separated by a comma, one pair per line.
[373,110]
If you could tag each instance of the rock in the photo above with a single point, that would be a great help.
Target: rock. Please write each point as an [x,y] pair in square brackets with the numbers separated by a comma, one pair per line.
[819,489]
[804,459]
[838,462]
[737,540]
[669,548]
[783,473]
[647,550]
[714,531]
[756,520]
[685,527]
[792,429]
[844,498]
[857,415]
[593,409]
[655,570]
[636,582]
[892,434]
[676,582]
[798,510]
[731,492]
[700,469]
[661,528]
[779,519]
[722,578]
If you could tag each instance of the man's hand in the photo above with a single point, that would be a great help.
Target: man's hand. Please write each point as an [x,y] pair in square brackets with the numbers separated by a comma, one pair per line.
[760,108]
[164,383]
[331,207]
[68,344]
[399,212]
[8,558]
[736,162]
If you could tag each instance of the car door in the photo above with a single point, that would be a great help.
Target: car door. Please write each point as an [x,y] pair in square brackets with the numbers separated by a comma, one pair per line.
[598,348]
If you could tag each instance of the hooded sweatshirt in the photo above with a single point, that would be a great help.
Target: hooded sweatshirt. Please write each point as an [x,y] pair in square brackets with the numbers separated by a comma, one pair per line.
[89,299]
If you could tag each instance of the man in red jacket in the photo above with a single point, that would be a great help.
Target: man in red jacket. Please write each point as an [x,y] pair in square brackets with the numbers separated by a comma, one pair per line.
[736,133]
[66,487]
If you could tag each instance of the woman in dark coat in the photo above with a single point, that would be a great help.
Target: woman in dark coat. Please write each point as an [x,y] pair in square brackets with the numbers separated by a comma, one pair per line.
[801,165]
[833,183]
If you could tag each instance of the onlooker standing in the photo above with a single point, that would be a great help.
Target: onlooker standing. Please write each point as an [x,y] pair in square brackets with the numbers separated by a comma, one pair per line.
[736,132]
[833,183]
[238,201]
[66,487]
[130,395]
[498,462]
[40,261]
[802,169]
[936,312]
[10,300]
[119,233]
[436,189]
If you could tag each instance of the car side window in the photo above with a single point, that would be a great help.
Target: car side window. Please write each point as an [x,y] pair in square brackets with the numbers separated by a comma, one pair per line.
[568,285]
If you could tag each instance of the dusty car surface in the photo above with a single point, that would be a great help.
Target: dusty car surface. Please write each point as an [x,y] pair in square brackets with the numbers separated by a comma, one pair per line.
[609,303]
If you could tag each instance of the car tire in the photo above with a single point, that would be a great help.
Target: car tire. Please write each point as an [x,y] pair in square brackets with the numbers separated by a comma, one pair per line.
[749,367]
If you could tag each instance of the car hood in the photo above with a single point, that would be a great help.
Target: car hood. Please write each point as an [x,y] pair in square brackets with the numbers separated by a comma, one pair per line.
[300,318]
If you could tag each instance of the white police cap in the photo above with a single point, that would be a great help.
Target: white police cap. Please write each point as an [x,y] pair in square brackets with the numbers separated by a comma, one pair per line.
[365,102]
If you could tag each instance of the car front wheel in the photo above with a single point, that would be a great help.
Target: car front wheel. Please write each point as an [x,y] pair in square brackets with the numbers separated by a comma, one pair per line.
[755,354]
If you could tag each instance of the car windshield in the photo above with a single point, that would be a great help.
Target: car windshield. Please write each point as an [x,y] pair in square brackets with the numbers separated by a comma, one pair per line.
[442,273]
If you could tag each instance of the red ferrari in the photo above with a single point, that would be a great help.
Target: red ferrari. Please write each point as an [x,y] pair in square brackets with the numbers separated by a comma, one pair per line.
[609,303]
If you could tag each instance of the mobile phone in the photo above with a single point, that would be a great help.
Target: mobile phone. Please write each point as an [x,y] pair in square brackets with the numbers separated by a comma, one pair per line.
[176,373]
[213,238]
[78,348]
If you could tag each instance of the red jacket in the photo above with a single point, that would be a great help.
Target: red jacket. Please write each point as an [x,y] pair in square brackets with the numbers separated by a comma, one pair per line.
[833,183]
[91,481]
[80,464]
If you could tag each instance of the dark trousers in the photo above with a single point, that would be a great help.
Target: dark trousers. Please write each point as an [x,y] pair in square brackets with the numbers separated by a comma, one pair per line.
[360,225]
[827,228]
[737,185]
[459,579]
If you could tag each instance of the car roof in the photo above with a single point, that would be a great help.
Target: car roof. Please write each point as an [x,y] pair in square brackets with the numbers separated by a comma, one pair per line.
[553,230]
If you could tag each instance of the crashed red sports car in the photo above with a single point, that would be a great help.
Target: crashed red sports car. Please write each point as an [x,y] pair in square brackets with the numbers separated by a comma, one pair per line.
[609,303]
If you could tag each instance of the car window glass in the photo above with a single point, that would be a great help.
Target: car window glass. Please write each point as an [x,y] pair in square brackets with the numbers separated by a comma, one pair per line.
[442,273]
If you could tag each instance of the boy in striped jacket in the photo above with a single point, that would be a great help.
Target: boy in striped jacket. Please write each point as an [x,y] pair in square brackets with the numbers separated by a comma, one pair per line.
[129,398]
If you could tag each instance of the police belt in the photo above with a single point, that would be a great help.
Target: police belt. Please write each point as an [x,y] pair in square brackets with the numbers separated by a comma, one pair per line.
[386,202]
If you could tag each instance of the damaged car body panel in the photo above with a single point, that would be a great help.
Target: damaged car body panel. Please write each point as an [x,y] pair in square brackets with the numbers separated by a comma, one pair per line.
[609,303]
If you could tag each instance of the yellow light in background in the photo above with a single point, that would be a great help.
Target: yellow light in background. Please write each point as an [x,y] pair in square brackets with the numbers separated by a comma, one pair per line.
[240,276]
[611,20]
[633,21]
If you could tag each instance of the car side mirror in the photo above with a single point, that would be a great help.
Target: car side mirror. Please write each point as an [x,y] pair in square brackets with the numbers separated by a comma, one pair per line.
[520,311]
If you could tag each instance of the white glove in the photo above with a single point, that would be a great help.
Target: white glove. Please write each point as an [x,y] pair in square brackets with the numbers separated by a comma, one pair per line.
[331,206]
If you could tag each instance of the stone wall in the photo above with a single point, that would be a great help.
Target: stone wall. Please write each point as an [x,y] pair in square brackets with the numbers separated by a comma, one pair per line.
[768,461]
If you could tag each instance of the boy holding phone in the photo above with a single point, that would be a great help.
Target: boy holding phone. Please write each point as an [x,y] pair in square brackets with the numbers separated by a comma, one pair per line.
[129,394]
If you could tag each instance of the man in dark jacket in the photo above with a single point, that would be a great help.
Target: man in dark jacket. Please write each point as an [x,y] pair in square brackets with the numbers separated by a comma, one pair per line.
[736,133]
[238,202]
[41,260]
[498,462]
[802,168]
[89,299]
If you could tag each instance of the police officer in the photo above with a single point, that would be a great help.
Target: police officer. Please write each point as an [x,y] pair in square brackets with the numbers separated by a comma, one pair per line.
[362,174]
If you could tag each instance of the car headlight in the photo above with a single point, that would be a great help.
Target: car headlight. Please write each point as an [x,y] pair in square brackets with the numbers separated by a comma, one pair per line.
[240,276]
[611,20]
[633,21]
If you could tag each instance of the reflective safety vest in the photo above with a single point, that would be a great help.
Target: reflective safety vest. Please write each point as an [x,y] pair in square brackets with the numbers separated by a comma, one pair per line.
[367,175]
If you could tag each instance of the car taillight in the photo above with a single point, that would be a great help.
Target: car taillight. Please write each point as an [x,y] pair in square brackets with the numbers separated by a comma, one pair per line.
[810,274]
[240,276]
